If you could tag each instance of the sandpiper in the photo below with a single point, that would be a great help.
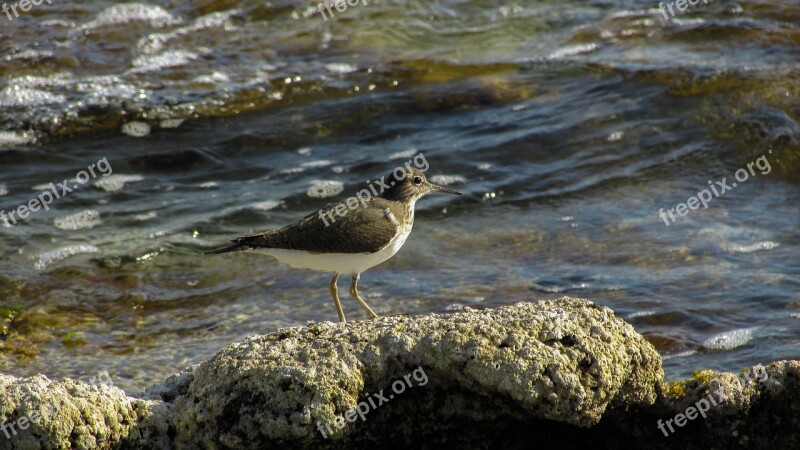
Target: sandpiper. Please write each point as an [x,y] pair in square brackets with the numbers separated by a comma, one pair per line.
[365,237]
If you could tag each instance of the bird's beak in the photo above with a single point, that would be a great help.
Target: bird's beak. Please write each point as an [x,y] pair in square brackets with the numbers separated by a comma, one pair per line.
[437,188]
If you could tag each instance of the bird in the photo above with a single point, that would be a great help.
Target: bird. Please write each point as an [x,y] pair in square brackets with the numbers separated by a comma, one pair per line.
[350,236]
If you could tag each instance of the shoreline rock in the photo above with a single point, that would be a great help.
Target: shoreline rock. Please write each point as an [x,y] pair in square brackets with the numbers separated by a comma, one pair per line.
[562,374]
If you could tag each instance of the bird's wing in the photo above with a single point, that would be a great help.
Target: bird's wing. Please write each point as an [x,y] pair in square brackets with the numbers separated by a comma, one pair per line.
[362,230]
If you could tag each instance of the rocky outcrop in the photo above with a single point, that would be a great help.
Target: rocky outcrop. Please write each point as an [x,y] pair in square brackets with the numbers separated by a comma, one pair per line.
[39,413]
[559,373]
[757,408]
[561,360]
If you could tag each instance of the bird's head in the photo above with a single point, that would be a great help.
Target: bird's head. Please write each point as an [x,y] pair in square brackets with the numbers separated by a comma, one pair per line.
[411,185]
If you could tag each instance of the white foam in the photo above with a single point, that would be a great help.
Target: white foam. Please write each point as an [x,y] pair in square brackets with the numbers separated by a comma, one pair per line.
[404,154]
[124,13]
[47,258]
[639,314]
[154,43]
[16,95]
[136,129]
[98,93]
[101,90]
[448,179]
[318,163]
[8,138]
[572,50]
[266,205]
[29,54]
[341,68]
[682,354]
[171,58]
[58,79]
[116,182]
[325,188]
[146,216]
[736,248]
[730,339]
[83,220]
[548,289]
[212,78]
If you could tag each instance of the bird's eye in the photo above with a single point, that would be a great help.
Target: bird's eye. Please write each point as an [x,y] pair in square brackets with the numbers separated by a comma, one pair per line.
[417,180]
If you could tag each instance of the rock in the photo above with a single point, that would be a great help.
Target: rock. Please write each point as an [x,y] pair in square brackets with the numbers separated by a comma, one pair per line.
[40,413]
[561,374]
[562,360]
[757,408]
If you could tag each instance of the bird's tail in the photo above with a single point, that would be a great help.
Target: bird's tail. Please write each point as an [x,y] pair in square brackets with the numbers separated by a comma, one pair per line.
[235,247]
[244,243]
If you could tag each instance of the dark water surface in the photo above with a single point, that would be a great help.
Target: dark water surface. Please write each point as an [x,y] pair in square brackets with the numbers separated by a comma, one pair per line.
[568,125]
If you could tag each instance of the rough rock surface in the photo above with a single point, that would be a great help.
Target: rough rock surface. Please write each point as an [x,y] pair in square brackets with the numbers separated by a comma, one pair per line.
[758,408]
[40,413]
[558,374]
[562,360]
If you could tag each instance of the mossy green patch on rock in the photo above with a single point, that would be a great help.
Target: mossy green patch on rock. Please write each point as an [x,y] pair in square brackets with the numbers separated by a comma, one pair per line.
[675,389]
[703,376]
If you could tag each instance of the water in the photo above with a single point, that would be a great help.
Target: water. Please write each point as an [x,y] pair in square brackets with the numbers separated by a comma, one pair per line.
[568,125]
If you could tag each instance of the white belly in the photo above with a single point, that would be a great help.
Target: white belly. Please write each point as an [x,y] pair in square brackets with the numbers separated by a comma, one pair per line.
[343,263]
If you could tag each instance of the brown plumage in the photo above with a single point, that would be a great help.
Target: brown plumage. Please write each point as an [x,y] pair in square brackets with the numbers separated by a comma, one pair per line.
[363,230]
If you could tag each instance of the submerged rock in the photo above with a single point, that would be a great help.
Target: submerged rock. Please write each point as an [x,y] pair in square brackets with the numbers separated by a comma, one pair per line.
[554,374]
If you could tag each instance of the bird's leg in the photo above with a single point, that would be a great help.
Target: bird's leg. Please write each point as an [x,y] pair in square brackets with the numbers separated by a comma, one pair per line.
[335,294]
[354,293]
